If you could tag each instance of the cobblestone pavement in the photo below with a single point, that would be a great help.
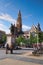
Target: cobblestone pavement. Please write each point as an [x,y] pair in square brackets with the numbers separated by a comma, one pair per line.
[18,55]
[15,62]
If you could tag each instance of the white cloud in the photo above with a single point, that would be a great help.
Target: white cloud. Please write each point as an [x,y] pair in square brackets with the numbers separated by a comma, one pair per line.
[4,28]
[25,28]
[8,18]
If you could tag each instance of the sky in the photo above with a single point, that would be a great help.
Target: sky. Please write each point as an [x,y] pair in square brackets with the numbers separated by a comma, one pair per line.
[31,11]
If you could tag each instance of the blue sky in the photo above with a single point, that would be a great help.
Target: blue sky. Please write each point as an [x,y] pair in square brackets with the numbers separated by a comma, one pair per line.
[31,11]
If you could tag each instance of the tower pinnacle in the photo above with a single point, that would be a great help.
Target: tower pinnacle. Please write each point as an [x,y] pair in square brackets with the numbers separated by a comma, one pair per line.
[19,22]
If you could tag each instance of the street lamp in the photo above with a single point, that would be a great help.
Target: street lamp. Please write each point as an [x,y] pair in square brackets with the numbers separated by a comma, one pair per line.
[37,37]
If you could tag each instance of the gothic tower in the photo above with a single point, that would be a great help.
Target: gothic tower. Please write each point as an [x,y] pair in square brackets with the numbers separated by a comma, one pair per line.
[19,22]
[38,27]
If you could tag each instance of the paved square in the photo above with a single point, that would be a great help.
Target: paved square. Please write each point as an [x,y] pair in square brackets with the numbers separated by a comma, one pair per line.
[15,62]
[20,57]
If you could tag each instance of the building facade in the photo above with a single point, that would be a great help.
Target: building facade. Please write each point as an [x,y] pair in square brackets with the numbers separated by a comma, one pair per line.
[34,30]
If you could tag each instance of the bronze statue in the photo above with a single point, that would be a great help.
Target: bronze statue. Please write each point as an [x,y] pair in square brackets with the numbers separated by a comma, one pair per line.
[12,43]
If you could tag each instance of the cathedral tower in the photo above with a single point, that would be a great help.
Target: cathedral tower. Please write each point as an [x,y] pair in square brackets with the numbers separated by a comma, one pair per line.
[38,27]
[19,22]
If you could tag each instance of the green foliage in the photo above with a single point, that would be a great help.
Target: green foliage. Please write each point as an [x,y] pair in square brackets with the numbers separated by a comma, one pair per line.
[19,39]
[23,40]
[3,39]
[40,36]
[33,39]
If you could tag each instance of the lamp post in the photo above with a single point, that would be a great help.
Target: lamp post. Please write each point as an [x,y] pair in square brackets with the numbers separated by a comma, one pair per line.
[37,32]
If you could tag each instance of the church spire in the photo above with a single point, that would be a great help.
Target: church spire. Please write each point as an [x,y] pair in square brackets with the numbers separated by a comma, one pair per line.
[19,22]
[19,14]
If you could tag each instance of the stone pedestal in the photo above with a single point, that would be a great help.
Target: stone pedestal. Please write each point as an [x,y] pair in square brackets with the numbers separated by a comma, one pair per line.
[10,39]
[10,43]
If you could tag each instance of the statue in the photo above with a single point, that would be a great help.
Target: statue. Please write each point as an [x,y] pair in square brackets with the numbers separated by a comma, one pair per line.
[10,44]
[12,29]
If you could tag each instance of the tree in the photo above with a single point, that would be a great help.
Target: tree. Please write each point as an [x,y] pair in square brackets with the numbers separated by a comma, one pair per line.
[3,40]
[33,39]
[22,40]
[19,39]
[40,36]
